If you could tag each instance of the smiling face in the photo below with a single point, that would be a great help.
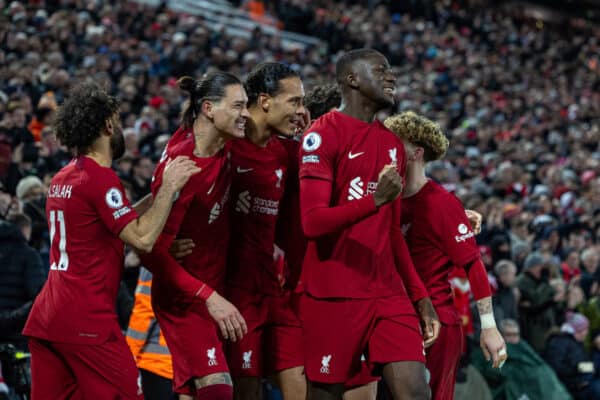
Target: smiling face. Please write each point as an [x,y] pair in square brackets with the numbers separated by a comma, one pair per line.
[286,108]
[375,79]
[231,113]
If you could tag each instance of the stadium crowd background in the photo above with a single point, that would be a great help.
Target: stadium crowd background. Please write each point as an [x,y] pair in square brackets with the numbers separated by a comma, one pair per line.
[518,98]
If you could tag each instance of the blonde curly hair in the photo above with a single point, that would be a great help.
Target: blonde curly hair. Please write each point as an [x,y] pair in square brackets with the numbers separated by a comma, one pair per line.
[420,131]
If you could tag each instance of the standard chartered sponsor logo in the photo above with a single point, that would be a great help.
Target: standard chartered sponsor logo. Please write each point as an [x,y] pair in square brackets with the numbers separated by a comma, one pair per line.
[246,204]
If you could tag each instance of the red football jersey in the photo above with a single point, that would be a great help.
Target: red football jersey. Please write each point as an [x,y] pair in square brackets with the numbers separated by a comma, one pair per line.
[200,212]
[439,237]
[356,262]
[258,183]
[289,235]
[86,210]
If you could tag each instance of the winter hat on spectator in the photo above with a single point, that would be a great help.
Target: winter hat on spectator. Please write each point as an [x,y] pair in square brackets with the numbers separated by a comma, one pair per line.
[26,184]
[533,260]
[575,323]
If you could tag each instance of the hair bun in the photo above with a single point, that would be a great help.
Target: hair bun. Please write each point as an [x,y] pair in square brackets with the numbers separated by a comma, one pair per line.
[187,83]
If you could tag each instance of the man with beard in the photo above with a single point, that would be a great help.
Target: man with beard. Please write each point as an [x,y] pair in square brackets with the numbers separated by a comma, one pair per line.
[76,344]
[360,285]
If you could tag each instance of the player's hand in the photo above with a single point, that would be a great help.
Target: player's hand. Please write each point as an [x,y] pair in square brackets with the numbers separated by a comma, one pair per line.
[389,185]
[475,220]
[430,323]
[493,346]
[230,321]
[177,172]
[180,248]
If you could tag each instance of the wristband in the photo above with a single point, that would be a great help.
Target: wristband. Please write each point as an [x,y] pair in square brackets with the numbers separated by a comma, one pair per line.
[487,321]
[204,292]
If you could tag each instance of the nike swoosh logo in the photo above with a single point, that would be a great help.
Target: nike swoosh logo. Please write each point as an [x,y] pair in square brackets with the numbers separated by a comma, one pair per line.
[243,170]
[352,156]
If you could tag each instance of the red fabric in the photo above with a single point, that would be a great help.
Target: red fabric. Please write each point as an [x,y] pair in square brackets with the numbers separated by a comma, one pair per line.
[440,238]
[215,392]
[289,235]
[384,329]
[442,362]
[318,219]
[274,340]
[412,281]
[200,213]
[478,279]
[351,253]
[86,210]
[193,339]
[462,301]
[259,180]
[72,371]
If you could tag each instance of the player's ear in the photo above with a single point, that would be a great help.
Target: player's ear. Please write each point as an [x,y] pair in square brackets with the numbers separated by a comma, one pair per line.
[207,108]
[352,81]
[109,126]
[264,101]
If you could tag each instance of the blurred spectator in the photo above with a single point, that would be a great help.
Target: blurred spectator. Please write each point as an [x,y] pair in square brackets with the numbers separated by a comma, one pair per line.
[506,298]
[31,194]
[142,169]
[567,356]
[21,278]
[590,275]
[525,375]
[540,303]
[42,118]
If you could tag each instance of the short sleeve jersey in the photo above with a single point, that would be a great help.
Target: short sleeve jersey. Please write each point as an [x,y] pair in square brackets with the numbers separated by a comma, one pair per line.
[86,210]
[258,184]
[439,238]
[357,262]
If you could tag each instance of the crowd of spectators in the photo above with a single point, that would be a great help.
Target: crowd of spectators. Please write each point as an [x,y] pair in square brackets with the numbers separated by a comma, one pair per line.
[518,98]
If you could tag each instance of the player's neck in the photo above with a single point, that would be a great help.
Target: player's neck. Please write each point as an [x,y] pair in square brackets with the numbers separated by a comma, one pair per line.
[415,180]
[257,130]
[207,140]
[359,108]
[101,153]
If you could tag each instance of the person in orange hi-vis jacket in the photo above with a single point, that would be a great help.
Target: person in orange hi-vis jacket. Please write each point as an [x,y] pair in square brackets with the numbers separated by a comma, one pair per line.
[148,345]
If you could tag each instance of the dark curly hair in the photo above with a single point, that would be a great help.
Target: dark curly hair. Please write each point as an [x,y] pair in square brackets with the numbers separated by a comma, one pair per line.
[83,115]
[265,77]
[321,99]
[211,87]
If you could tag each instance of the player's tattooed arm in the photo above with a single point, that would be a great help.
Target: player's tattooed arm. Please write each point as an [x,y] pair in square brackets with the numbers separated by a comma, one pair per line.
[491,341]
[221,378]
[484,306]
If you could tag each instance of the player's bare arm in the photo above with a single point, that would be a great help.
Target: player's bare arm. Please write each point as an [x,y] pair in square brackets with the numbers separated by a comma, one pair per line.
[430,323]
[143,204]
[491,340]
[230,321]
[143,232]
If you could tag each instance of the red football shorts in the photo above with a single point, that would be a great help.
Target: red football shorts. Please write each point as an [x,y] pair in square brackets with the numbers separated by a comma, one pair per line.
[274,339]
[363,377]
[338,331]
[193,340]
[73,371]
[442,361]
